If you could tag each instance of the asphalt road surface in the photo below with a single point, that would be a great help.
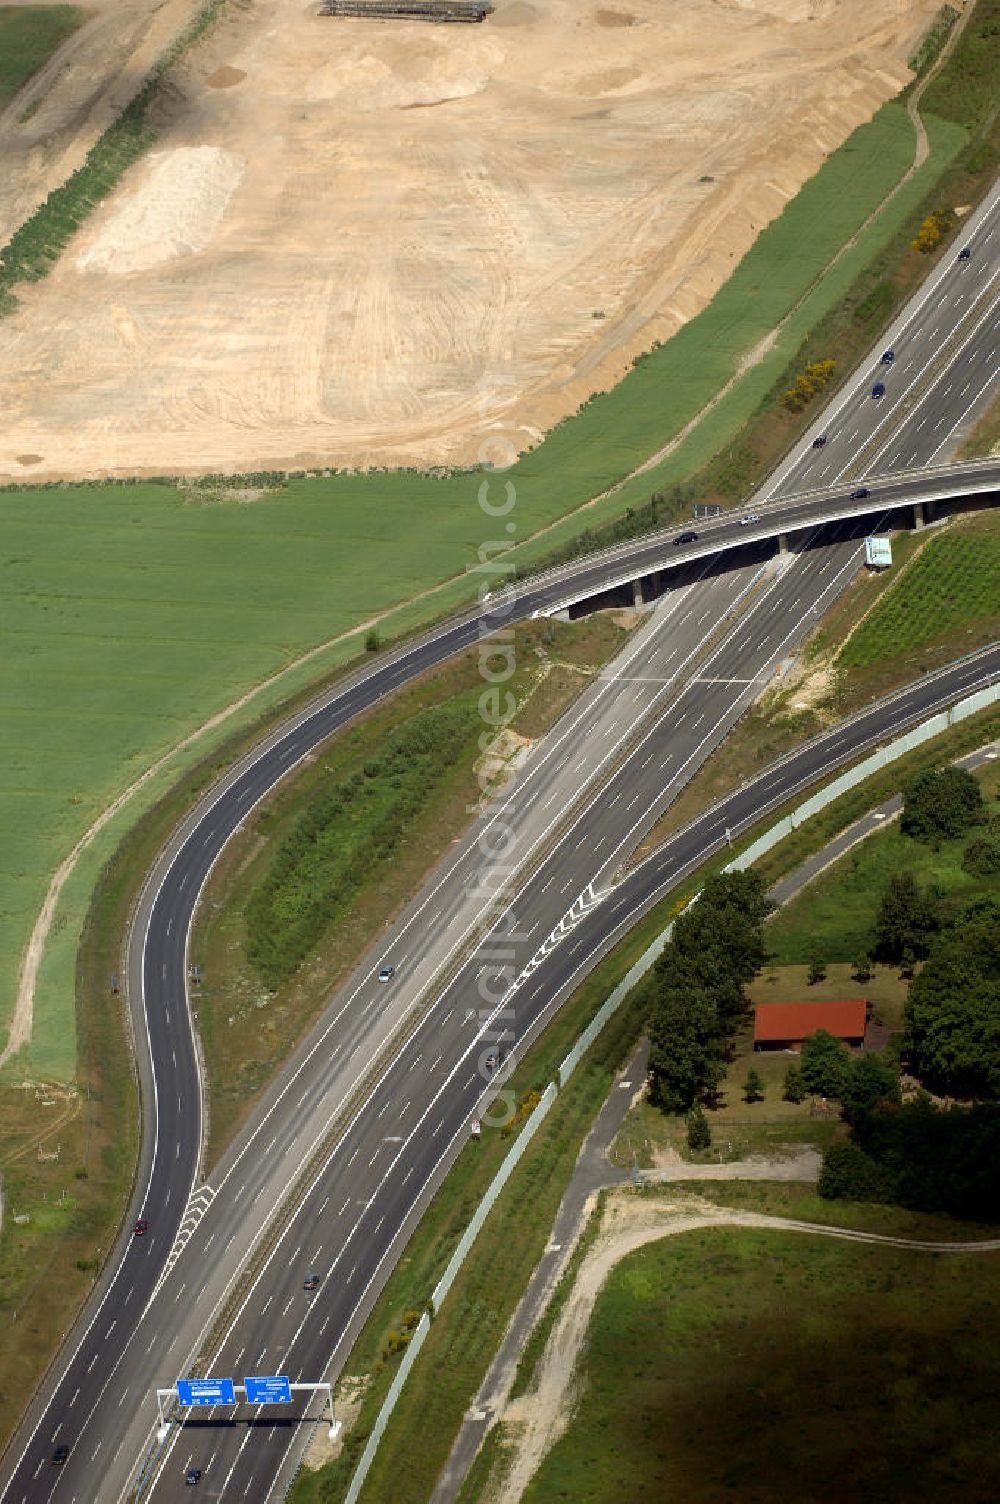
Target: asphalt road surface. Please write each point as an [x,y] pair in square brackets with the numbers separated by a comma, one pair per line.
[97,1397]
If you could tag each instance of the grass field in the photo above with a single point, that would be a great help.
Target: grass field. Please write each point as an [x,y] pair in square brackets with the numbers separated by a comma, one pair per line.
[767,1366]
[29,34]
[834,914]
[954,583]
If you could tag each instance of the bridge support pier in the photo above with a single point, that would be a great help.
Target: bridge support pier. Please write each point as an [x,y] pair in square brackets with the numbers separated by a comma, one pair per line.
[637,600]
[919,516]
[782,543]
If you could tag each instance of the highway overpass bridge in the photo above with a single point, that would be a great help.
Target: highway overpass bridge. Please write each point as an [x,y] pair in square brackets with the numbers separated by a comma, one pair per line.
[638,571]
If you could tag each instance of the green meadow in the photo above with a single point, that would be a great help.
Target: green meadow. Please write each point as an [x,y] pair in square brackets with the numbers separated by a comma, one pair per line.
[29,34]
[134,613]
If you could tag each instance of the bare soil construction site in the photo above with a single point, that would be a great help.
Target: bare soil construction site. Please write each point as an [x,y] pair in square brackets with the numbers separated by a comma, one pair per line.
[345,225]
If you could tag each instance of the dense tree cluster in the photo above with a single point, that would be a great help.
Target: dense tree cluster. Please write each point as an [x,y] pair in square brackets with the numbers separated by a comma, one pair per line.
[696,992]
[941,804]
[952,1037]
[922,1157]
[827,1069]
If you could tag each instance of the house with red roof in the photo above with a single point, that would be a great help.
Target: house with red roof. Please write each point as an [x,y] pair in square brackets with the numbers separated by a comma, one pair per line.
[783,1026]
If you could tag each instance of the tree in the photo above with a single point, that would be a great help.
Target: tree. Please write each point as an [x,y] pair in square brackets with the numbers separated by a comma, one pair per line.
[850,1174]
[696,991]
[817,968]
[941,804]
[869,1080]
[824,1064]
[753,1087]
[795,1089]
[685,1055]
[906,918]
[952,1014]
[863,968]
[982,856]
[699,1134]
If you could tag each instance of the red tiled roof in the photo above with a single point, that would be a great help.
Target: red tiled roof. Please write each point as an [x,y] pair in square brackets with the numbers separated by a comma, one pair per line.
[799,1020]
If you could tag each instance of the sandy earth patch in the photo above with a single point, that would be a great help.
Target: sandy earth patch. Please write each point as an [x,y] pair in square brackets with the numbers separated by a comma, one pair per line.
[174,211]
[76,95]
[422,206]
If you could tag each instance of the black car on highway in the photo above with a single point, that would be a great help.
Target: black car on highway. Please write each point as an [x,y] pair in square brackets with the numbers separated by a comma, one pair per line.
[685,538]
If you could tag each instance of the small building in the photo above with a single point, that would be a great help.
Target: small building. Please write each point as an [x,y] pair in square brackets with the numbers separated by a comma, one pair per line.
[783,1026]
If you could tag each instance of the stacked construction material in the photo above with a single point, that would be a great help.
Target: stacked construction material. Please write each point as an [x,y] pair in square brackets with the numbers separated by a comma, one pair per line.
[409,10]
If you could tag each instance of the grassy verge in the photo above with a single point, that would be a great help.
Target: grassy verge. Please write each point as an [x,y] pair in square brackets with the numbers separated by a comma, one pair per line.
[985,436]
[29,34]
[833,915]
[554,661]
[67,1156]
[701,1347]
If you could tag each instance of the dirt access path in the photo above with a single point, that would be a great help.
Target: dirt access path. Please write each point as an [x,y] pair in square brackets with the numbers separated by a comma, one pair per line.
[538,1419]
[346,224]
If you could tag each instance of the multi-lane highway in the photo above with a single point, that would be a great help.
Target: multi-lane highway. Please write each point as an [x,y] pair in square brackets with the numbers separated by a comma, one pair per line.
[945,349]
[98,1400]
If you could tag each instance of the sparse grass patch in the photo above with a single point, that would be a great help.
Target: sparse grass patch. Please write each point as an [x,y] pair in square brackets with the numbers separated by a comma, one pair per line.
[701,1347]
[29,34]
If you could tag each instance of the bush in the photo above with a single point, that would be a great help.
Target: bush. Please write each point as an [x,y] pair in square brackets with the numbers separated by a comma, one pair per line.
[849,1174]
[941,804]
[808,384]
[699,1135]
[863,968]
[817,969]
[933,229]
[878,301]
[753,1087]
[982,856]
[795,1089]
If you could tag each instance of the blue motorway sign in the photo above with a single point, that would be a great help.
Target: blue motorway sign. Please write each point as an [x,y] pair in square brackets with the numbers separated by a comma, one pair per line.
[269,1391]
[206,1392]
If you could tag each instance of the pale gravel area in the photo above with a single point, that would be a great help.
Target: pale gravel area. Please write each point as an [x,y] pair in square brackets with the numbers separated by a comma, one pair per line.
[174,211]
[422,207]
[535,1421]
